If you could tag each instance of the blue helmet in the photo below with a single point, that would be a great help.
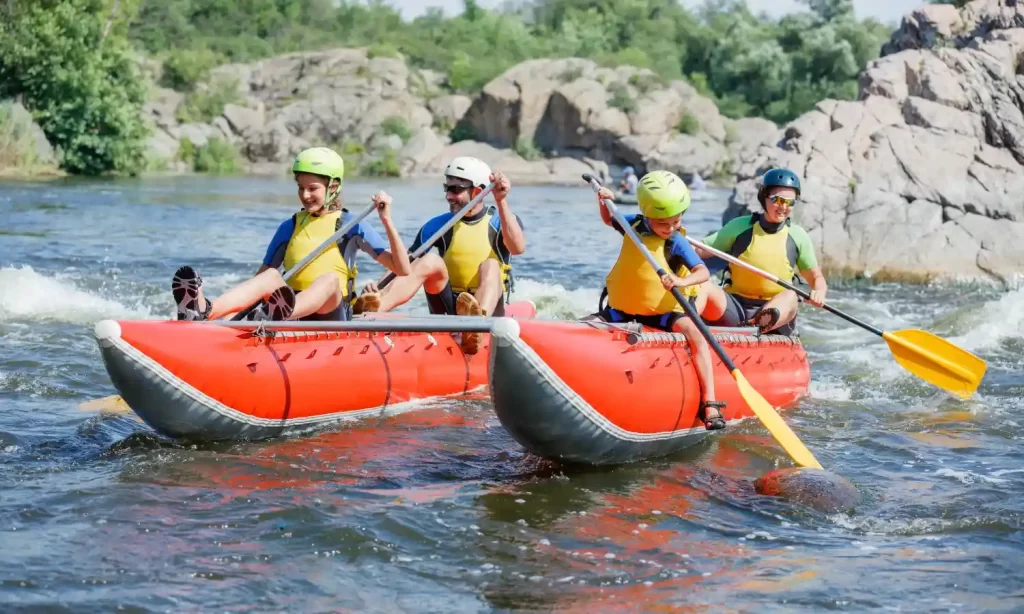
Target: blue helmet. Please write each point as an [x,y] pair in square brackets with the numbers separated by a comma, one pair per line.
[777,177]
[628,171]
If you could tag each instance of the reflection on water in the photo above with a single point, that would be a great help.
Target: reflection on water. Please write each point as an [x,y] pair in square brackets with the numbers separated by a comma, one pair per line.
[438,509]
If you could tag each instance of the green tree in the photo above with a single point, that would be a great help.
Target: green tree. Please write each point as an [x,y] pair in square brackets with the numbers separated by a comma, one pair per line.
[83,88]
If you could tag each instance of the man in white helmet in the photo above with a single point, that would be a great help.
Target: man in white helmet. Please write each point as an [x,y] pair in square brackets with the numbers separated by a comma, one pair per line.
[470,274]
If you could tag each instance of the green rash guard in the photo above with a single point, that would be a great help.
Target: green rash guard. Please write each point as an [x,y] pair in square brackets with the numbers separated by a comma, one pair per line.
[780,249]
[725,238]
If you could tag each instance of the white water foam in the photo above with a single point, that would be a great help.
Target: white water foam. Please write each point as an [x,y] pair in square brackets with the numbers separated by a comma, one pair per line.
[555,301]
[28,295]
[996,321]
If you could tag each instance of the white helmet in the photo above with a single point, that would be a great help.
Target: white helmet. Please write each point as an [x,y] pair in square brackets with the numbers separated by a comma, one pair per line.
[473,169]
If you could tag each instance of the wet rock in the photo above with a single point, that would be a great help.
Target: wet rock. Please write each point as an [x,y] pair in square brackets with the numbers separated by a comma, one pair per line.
[821,490]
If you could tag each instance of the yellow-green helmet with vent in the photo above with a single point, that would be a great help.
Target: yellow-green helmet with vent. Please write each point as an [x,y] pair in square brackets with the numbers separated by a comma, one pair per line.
[321,161]
[662,194]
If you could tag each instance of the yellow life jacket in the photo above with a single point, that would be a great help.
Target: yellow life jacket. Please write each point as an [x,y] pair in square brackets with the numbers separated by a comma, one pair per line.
[634,286]
[471,245]
[768,252]
[310,232]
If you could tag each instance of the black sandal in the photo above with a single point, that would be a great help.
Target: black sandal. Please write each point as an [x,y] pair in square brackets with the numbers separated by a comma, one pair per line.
[765,320]
[185,287]
[276,308]
[715,422]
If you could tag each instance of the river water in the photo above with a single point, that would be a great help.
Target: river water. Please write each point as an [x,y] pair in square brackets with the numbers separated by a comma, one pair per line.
[439,510]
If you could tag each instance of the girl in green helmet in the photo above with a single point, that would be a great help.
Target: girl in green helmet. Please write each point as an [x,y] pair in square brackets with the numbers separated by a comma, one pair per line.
[324,288]
[636,293]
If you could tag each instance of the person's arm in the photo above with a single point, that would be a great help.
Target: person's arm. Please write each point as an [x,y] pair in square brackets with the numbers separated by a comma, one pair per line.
[511,230]
[724,238]
[397,258]
[606,215]
[698,270]
[807,263]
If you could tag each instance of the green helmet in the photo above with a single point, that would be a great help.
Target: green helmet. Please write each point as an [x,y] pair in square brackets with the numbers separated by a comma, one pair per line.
[662,194]
[321,161]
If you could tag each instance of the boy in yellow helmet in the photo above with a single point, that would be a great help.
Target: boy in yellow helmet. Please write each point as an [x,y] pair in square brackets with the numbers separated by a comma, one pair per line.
[634,291]
[323,289]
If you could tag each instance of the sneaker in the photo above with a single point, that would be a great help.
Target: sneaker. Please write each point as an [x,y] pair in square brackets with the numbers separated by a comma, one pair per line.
[467,305]
[186,288]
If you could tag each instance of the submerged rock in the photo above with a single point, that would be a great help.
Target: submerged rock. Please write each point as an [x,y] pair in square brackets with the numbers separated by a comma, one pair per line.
[815,488]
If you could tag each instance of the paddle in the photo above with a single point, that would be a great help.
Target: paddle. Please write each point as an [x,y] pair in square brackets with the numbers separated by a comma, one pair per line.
[292,272]
[429,243]
[116,404]
[761,408]
[927,356]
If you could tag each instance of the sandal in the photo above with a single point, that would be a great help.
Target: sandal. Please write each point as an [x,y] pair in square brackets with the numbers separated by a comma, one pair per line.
[186,288]
[765,320]
[715,421]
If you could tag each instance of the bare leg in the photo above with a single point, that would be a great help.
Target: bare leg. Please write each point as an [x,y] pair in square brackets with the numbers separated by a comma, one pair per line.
[786,302]
[705,370]
[488,293]
[243,295]
[428,272]
[322,296]
[715,301]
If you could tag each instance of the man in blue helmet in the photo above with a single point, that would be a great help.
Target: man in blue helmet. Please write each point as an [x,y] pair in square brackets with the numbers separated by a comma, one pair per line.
[771,242]
[629,181]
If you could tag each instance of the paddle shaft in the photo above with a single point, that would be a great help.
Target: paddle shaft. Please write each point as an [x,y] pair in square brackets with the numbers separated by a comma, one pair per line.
[334,238]
[761,408]
[690,311]
[429,243]
[803,293]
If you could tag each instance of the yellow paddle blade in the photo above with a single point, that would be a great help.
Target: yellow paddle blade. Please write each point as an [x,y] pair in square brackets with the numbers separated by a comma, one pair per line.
[937,361]
[775,424]
[112,404]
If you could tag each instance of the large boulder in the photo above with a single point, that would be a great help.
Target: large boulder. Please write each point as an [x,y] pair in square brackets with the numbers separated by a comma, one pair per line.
[914,179]
[624,115]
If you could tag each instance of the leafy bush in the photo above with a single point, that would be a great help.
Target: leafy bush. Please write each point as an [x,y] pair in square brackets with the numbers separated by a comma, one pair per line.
[83,89]
[688,124]
[397,126]
[385,166]
[204,105]
[185,68]
[620,98]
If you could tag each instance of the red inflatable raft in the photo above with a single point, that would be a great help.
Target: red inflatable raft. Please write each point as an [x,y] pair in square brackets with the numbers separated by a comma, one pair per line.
[604,394]
[206,381]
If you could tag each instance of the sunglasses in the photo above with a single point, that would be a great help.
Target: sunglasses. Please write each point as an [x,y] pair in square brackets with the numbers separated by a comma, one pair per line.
[781,201]
[455,189]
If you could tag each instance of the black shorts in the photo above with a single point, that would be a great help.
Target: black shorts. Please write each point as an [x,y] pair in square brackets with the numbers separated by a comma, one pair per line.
[664,321]
[739,310]
[438,304]
[342,313]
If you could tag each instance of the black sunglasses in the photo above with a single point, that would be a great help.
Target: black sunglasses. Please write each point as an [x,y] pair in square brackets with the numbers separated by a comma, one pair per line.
[456,189]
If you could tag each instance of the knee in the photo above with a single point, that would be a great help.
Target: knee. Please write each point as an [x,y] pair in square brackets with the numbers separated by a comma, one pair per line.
[429,266]
[488,268]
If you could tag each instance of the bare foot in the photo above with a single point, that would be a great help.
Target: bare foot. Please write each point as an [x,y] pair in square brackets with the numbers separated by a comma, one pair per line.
[467,305]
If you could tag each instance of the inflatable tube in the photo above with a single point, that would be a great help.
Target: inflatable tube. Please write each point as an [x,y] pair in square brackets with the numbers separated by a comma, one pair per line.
[206,382]
[598,394]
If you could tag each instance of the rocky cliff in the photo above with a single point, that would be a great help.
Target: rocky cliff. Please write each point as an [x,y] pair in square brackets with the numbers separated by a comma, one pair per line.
[922,176]
[541,121]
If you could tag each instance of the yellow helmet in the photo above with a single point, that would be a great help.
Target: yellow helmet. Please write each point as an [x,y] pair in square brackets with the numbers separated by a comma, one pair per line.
[662,194]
